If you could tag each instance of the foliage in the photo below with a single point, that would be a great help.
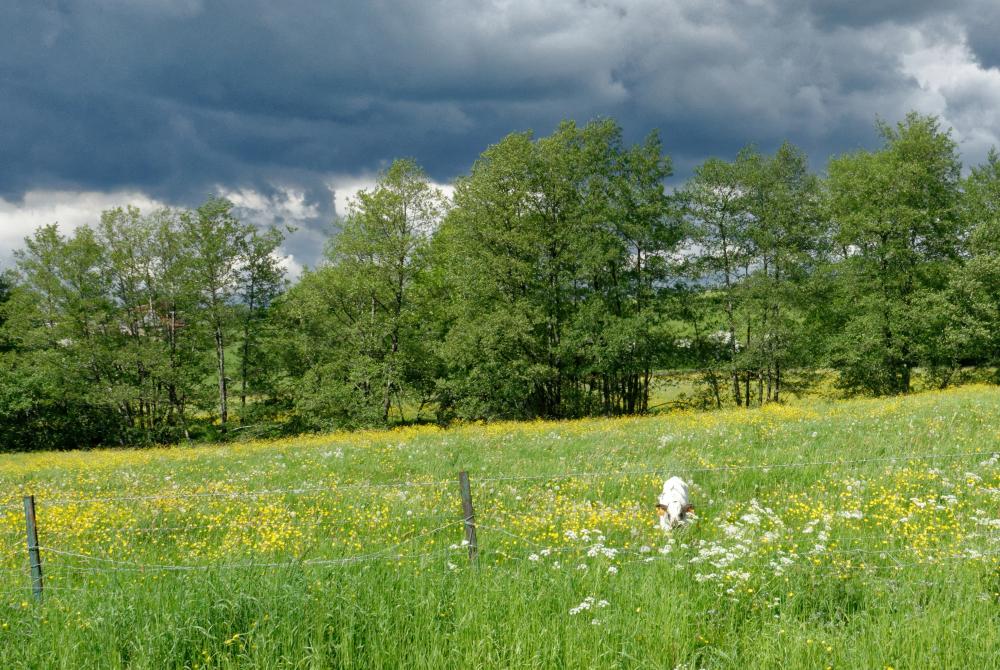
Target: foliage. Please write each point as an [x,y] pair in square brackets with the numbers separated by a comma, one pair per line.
[114,328]
[356,324]
[895,215]
[755,234]
[550,266]
[559,279]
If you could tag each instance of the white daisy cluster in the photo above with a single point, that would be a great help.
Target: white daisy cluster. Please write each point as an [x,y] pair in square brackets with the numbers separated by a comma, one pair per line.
[589,603]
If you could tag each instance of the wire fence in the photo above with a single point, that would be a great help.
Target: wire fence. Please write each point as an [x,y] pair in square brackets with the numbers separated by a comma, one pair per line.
[75,561]
[386,554]
[738,467]
[405,484]
[229,527]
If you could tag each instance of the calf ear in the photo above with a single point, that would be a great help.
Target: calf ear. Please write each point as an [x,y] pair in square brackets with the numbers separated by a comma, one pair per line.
[661,506]
[689,508]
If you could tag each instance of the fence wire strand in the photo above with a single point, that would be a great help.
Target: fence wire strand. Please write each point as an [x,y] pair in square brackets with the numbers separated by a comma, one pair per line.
[124,566]
[129,565]
[402,484]
[881,558]
[733,468]
[304,522]
[236,495]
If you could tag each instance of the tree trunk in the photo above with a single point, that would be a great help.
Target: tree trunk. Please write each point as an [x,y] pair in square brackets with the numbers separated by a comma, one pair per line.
[243,372]
[220,353]
[777,382]
[747,381]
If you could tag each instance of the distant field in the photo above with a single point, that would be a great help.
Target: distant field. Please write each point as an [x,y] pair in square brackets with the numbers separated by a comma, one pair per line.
[873,541]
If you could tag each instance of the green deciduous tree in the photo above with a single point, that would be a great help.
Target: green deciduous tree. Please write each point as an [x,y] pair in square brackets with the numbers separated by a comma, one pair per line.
[230,268]
[116,326]
[552,260]
[896,221]
[754,234]
[972,303]
[357,320]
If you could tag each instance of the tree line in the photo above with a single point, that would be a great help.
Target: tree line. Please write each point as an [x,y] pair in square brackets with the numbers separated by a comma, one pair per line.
[557,280]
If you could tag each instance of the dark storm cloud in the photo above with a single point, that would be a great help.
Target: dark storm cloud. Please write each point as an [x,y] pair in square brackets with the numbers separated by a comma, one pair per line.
[858,14]
[984,32]
[178,98]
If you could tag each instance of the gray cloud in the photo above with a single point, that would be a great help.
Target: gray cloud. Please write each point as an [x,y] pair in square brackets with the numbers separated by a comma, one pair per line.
[830,13]
[178,98]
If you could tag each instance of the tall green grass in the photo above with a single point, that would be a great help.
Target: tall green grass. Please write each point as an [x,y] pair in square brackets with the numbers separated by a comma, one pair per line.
[907,585]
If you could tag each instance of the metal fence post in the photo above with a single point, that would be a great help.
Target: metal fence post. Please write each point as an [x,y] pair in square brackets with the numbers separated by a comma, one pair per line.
[33,554]
[469,514]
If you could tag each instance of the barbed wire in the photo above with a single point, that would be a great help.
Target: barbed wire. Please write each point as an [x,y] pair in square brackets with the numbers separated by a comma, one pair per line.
[737,467]
[334,487]
[47,589]
[382,553]
[123,566]
[305,522]
[577,549]
[805,561]
[837,550]
[307,490]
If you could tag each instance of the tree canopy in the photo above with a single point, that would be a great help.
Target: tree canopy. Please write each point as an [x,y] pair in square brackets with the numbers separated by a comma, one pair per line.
[560,278]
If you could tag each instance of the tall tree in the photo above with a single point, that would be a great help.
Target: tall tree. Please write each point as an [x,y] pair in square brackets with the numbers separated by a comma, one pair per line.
[788,236]
[357,321]
[972,329]
[754,232]
[261,280]
[552,257]
[216,242]
[7,281]
[715,206]
[63,387]
[378,257]
[896,221]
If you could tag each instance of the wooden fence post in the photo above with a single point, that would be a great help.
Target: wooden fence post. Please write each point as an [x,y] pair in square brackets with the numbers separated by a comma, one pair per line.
[470,516]
[33,554]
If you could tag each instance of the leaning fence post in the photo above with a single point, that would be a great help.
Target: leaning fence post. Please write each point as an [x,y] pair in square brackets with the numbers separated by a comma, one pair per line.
[470,516]
[33,555]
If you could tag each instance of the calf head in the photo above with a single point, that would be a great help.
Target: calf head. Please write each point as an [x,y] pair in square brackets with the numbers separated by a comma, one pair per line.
[673,513]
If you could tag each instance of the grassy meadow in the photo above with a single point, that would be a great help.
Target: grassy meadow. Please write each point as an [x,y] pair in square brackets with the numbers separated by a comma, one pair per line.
[873,542]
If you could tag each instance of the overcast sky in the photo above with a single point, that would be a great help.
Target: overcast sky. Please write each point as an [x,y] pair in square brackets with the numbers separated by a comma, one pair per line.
[289,106]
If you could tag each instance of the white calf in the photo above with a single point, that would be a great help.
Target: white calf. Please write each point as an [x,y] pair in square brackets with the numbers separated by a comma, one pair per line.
[673,504]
